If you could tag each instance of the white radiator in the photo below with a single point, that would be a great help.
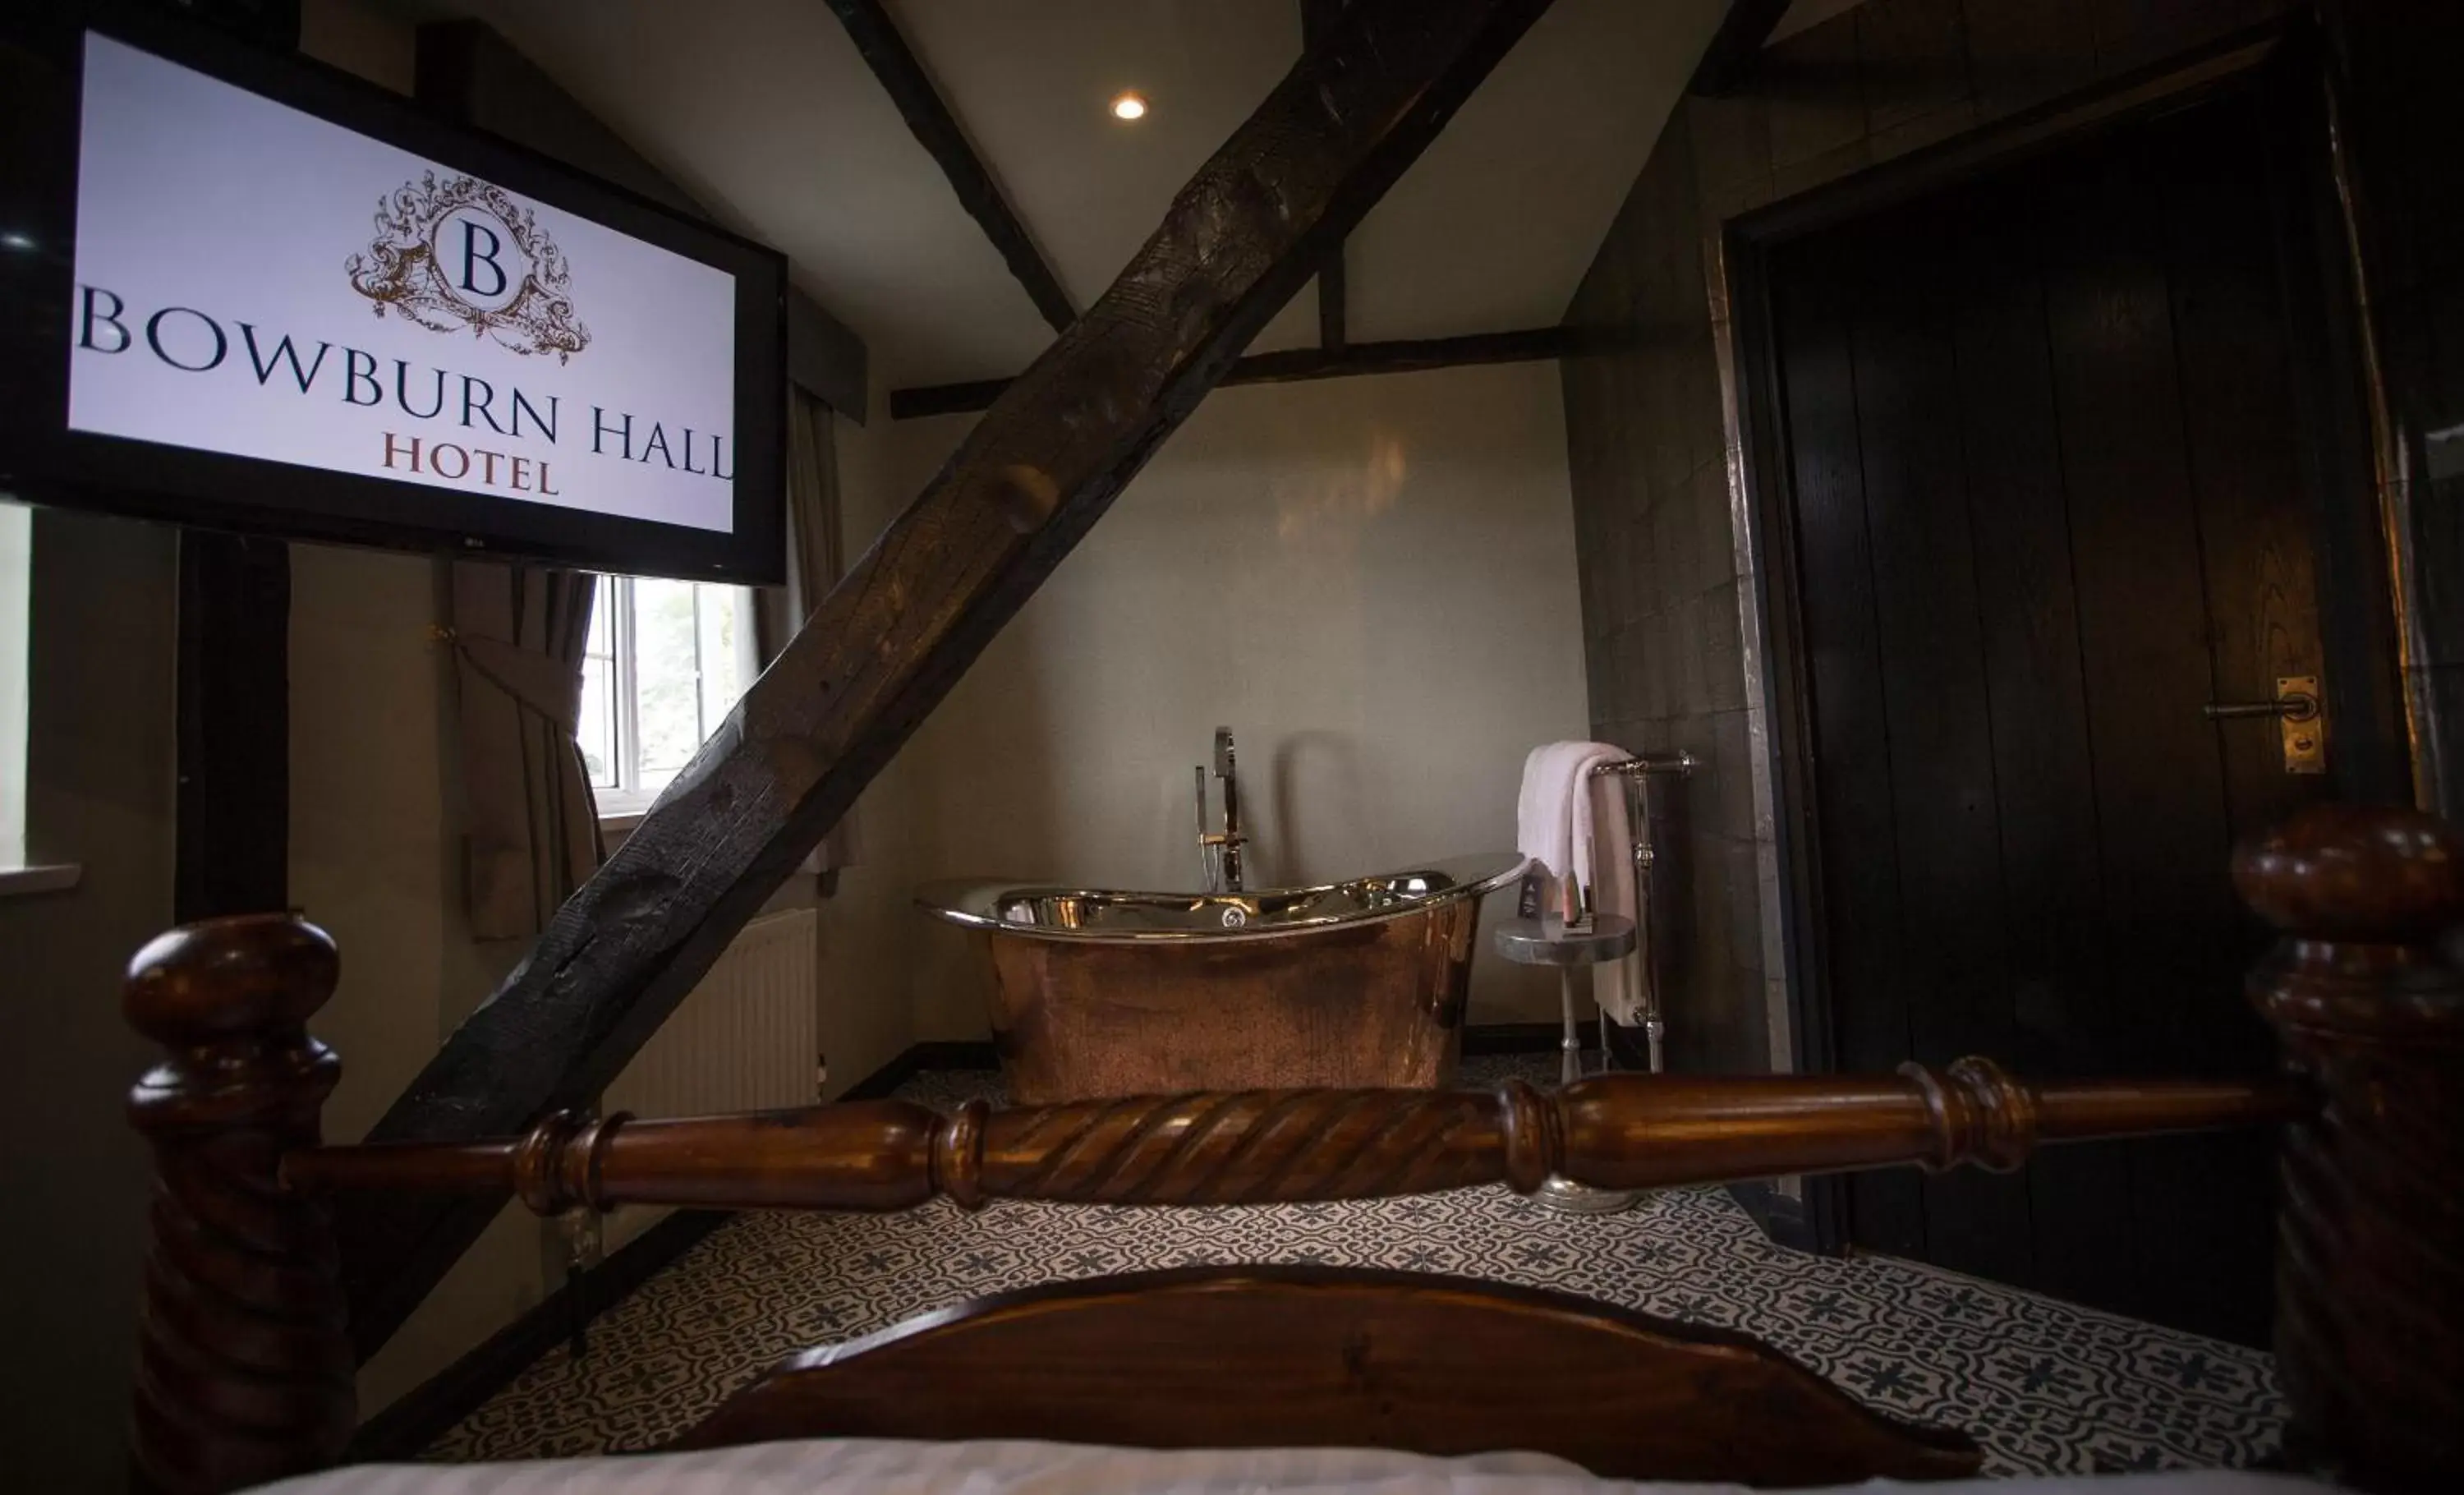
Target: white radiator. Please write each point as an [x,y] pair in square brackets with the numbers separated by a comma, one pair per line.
[746,1039]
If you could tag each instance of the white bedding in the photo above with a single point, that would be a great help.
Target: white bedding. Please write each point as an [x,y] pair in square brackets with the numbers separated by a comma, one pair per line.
[865,1467]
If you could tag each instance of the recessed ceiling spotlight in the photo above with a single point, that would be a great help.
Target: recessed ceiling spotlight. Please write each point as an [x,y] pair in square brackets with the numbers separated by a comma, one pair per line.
[1130,106]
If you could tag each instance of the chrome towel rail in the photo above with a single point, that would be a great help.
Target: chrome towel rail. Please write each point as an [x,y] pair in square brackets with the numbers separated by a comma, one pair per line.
[1654,934]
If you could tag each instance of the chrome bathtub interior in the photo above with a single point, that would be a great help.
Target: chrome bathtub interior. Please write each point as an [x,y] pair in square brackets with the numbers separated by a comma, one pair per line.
[1219,853]
[1060,912]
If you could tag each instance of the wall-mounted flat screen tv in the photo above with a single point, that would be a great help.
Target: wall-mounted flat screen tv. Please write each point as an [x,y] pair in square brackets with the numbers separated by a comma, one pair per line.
[243,291]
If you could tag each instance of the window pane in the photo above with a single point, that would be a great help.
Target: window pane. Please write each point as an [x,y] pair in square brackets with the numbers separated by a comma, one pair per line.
[719,613]
[599,731]
[602,643]
[596,732]
[667,681]
[17,582]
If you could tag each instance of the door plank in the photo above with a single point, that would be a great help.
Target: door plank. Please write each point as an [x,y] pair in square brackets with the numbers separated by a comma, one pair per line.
[1937,721]
[2241,424]
[1814,301]
[2163,829]
[2209,188]
[2044,782]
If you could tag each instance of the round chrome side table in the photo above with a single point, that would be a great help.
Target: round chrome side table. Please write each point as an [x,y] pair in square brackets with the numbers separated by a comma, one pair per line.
[1527,942]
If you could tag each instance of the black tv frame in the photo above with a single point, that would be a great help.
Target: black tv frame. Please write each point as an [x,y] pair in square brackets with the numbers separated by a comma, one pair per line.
[43,461]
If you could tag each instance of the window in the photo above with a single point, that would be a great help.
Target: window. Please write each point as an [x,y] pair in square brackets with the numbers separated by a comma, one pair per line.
[15,577]
[664,663]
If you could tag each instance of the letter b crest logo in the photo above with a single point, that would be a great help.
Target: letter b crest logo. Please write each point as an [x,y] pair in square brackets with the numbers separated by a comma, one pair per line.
[462,255]
[473,246]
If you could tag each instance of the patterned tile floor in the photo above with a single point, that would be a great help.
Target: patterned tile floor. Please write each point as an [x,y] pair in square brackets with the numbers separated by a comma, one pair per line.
[2046,1387]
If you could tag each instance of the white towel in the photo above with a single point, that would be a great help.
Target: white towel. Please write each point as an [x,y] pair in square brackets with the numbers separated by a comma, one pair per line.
[1574,824]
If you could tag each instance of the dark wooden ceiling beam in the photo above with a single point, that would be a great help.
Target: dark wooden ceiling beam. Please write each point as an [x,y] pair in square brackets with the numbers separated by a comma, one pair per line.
[1736,46]
[877,39]
[1398,356]
[1332,292]
[899,630]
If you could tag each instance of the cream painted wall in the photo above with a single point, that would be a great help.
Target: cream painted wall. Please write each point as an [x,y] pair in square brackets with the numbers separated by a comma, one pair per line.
[1372,581]
[375,860]
[369,37]
[99,771]
[868,926]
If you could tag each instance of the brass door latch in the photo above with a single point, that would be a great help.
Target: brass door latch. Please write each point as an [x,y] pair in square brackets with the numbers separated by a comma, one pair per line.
[2300,722]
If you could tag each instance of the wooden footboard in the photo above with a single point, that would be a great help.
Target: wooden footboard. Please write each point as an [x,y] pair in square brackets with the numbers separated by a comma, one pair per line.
[245,1366]
[1301,1356]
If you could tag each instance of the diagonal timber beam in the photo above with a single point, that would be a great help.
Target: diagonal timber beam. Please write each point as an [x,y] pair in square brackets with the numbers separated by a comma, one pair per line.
[897,632]
[877,40]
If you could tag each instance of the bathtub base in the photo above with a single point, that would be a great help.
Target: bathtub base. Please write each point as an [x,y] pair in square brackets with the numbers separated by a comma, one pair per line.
[1378,1003]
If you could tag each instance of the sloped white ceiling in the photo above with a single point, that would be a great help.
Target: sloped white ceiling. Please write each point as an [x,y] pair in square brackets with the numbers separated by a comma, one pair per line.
[762,109]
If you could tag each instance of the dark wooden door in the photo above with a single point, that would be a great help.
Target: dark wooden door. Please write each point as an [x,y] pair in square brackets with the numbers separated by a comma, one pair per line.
[2049,500]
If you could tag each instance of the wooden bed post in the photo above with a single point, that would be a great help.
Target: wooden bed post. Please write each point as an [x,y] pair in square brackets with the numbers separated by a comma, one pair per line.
[244,1371]
[2370,1328]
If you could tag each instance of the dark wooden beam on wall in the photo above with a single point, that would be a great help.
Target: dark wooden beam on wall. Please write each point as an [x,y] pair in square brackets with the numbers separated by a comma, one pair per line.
[231,804]
[886,52]
[1403,356]
[899,630]
[1735,46]
[1332,292]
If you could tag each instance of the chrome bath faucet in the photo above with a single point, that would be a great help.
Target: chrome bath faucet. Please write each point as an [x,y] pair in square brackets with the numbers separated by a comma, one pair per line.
[1219,853]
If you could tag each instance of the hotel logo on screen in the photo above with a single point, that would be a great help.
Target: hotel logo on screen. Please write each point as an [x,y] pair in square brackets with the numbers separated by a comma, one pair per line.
[232,295]
[461,255]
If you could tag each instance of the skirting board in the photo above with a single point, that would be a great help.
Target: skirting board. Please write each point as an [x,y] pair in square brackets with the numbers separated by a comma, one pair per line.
[978,1053]
[1781,1218]
[1526,1038]
[428,1410]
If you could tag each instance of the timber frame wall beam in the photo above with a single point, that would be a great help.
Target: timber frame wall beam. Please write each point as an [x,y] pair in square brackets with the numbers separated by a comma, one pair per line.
[897,632]
[1401,357]
[1734,47]
[1316,17]
[886,52]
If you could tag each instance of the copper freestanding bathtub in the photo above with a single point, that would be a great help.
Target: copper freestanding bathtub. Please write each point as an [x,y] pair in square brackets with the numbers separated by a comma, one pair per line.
[1103,994]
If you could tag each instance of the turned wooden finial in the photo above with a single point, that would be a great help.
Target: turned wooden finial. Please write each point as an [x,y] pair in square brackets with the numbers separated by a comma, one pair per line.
[244,1373]
[2371,1268]
[230,981]
[2362,873]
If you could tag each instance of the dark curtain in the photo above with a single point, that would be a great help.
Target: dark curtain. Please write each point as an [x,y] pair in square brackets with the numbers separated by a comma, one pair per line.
[531,827]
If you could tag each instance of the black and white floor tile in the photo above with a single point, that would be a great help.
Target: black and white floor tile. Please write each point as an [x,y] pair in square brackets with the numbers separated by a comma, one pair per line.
[2045,1386]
